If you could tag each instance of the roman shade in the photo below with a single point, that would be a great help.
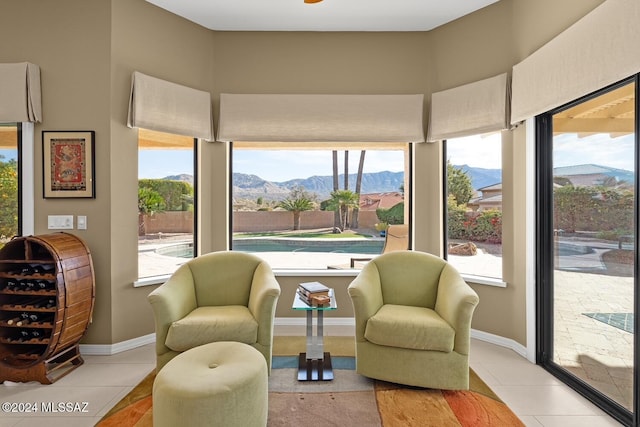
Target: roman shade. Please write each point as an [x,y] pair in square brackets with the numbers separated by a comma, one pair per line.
[598,50]
[164,106]
[319,118]
[20,99]
[471,109]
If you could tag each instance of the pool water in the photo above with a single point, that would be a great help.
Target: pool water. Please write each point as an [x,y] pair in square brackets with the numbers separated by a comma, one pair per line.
[373,247]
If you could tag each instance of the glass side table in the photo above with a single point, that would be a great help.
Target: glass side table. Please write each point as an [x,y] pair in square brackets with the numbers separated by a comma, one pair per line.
[315,364]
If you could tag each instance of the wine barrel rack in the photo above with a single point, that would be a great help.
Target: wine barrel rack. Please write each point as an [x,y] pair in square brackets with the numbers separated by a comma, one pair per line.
[47,294]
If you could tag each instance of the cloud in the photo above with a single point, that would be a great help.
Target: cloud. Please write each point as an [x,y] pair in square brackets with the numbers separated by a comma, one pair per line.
[598,149]
[477,151]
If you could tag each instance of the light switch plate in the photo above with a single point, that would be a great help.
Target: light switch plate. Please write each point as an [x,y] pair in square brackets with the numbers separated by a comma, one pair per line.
[82,222]
[60,222]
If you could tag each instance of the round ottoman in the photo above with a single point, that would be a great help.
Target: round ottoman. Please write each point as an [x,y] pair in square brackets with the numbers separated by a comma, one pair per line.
[221,384]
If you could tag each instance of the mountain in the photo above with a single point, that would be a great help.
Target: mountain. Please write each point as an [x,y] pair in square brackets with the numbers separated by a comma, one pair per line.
[378,182]
[481,177]
[182,177]
[248,186]
[251,186]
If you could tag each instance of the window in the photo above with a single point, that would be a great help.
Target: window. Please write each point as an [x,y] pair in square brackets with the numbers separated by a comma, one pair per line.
[166,202]
[474,204]
[587,154]
[10,189]
[293,207]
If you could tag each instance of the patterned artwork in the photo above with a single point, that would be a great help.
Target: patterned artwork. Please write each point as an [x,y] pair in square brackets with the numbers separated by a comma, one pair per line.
[68,164]
[68,168]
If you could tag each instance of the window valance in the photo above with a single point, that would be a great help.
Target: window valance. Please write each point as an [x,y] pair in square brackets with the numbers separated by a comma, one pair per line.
[21,99]
[471,109]
[164,106]
[318,118]
[598,50]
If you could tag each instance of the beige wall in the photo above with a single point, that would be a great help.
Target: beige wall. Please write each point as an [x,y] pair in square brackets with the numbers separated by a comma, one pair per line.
[150,40]
[73,52]
[87,50]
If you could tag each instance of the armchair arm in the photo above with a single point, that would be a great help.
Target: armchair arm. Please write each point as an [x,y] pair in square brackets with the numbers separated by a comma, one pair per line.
[366,296]
[455,303]
[265,291]
[172,301]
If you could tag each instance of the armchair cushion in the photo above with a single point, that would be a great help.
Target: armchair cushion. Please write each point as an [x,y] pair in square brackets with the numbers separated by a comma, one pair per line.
[210,324]
[416,328]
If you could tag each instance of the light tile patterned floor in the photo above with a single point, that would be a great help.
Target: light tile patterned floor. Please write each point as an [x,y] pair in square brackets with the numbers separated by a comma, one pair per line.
[533,394]
[598,353]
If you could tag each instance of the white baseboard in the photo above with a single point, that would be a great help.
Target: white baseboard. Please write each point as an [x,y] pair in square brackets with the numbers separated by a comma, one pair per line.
[110,349]
[333,326]
[501,341]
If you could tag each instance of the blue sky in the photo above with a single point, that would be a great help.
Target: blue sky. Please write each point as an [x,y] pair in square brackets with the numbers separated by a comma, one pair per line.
[278,166]
[598,149]
[473,151]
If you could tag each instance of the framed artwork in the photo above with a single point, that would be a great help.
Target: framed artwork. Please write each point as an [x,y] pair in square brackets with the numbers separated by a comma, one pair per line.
[68,164]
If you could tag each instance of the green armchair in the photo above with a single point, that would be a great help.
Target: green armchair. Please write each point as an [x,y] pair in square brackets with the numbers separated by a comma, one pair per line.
[219,296]
[413,316]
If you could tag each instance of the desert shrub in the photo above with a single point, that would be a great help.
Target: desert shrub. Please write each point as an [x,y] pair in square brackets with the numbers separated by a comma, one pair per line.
[393,215]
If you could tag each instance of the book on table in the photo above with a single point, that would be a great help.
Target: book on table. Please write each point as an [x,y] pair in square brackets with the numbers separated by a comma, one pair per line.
[314,293]
[314,299]
[313,288]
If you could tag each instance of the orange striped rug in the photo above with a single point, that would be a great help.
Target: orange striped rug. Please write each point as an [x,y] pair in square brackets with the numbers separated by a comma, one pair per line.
[385,404]
[348,400]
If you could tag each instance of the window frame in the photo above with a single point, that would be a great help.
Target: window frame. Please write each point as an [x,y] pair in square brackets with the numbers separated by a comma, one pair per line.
[161,278]
[319,272]
[473,278]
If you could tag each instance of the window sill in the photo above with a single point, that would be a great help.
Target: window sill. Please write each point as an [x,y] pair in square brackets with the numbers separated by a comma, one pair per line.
[150,281]
[487,281]
[478,280]
[286,272]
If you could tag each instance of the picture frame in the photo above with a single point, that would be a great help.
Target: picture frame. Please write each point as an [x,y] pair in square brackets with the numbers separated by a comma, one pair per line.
[68,164]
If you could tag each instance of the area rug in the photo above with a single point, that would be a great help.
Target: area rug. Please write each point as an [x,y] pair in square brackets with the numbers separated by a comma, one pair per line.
[349,400]
[622,321]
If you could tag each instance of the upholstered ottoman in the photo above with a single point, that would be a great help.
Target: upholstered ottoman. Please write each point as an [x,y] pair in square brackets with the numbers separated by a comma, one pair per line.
[222,384]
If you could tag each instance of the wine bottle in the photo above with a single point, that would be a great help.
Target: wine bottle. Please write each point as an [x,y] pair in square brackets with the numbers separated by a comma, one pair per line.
[36,318]
[14,320]
[18,320]
[39,303]
[13,285]
[29,285]
[43,285]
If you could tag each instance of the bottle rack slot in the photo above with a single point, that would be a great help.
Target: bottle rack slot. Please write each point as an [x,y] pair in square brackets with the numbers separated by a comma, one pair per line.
[29,303]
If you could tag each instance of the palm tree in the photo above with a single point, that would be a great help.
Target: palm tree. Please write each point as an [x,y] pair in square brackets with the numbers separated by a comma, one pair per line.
[341,201]
[354,217]
[149,202]
[346,169]
[336,216]
[298,201]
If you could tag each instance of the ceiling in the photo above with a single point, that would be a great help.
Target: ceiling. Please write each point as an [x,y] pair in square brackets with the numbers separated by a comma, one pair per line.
[327,15]
[612,113]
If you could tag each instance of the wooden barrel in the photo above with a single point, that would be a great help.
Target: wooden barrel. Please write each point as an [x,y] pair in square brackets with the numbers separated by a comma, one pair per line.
[49,278]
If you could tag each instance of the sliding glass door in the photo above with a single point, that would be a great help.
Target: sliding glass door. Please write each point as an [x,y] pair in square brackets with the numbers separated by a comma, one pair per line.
[587,248]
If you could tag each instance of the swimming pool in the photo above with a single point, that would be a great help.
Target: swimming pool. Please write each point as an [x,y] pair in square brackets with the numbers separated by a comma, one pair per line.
[309,245]
[372,247]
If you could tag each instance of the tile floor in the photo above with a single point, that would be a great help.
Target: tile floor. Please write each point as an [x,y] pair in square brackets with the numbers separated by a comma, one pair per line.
[533,394]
